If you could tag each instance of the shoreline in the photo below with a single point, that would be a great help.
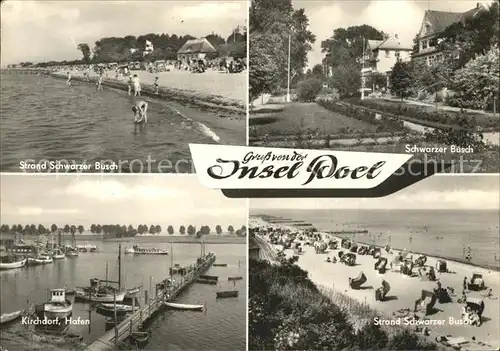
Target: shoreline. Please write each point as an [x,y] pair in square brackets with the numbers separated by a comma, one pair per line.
[175,239]
[345,235]
[189,97]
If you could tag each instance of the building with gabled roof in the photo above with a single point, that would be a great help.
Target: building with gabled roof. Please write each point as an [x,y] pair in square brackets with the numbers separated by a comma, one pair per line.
[195,49]
[434,23]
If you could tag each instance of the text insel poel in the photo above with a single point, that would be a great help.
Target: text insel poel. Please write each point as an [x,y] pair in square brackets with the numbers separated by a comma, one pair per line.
[327,166]
[322,167]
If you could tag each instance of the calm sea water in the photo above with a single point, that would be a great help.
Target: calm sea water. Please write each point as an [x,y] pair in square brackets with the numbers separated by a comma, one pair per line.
[444,233]
[222,327]
[43,119]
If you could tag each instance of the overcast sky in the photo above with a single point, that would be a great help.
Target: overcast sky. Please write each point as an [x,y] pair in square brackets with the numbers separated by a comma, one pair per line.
[48,30]
[437,192]
[142,199]
[403,17]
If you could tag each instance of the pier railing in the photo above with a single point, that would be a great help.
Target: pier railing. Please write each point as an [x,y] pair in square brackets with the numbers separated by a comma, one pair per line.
[135,321]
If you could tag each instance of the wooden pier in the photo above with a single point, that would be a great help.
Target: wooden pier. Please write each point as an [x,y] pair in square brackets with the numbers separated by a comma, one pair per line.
[136,320]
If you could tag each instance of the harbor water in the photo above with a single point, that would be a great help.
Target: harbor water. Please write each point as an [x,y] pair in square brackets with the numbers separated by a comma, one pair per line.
[43,119]
[444,233]
[221,327]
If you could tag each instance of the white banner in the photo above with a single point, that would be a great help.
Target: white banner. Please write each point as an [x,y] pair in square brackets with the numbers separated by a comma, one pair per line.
[242,167]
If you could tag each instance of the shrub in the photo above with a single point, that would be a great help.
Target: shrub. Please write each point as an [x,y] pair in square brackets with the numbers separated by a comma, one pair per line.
[308,89]
[406,340]
[422,96]
[372,337]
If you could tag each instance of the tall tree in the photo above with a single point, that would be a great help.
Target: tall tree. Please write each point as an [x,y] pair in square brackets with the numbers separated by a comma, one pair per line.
[80,229]
[345,47]
[218,229]
[53,228]
[85,49]
[230,229]
[170,230]
[182,230]
[401,79]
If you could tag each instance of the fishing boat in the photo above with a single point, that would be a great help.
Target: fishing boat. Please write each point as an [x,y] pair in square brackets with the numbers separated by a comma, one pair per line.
[140,339]
[129,250]
[100,291]
[9,317]
[57,306]
[12,265]
[58,255]
[182,306]
[40,260]
[227,294]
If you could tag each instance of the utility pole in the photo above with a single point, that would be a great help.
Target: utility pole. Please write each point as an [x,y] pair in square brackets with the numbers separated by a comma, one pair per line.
[362,72]
[288,84]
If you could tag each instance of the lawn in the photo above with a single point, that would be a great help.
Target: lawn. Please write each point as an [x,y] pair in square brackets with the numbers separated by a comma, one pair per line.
[301,118]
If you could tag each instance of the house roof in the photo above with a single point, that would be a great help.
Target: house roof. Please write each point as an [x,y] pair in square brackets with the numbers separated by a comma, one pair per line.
[196,46]
[391,43]
[440,20]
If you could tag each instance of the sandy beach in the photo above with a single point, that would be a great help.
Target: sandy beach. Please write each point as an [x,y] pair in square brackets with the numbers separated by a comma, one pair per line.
[404,289]
[211,87]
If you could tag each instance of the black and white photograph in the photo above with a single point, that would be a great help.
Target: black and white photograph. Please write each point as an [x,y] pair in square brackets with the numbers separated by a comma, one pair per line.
[416,270]
[120,86]
[395,76]
[117,262]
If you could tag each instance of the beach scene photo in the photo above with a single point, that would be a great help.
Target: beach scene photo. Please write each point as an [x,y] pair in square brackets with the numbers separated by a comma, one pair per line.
[416,270]
[121,262]
[120,86]
[342,75]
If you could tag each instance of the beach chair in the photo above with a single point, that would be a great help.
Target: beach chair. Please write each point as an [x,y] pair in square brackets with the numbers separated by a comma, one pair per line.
[350,259]
[354,248]
[475,309]
[426,302]
[355,283]
[420,261]
[381,265]
[476,282]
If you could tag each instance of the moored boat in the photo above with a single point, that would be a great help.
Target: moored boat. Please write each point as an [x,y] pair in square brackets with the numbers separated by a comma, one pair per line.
[58,255]
[40,260]
[130,293]
[57,306]
[235,278]
[136,250]
[72,253]
[140,339]
[13,265]
[220,265]
[9,317]
[93,296]
[182,306]
[121,310]
[227,294]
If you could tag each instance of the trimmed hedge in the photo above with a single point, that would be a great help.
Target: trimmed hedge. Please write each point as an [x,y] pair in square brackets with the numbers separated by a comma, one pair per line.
[386,122]
[437,118]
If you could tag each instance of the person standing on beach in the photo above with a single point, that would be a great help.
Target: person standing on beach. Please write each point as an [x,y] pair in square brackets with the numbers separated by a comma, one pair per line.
[99,81]
[157,86]
[130,84]
[68,82]
[137,86]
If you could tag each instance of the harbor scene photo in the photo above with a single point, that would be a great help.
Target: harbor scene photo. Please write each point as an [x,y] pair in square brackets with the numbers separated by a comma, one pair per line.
[164,279]
[416,270]
[98,94]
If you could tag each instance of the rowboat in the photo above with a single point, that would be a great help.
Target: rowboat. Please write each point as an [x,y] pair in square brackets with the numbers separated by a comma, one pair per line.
[181,306]
[12,265]
[140,339]
[108,309]
[72,253]
[226,294]
[9,317]
[235,278]
[58,306]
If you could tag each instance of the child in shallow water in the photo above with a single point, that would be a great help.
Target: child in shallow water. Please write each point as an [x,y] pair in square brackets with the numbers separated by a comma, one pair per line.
[140,109]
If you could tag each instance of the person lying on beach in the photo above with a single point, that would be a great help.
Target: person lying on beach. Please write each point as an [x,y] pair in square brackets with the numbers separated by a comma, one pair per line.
[140,109]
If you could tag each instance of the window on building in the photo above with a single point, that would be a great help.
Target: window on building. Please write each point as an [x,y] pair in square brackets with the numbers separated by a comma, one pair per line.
[424,44]
[387,53]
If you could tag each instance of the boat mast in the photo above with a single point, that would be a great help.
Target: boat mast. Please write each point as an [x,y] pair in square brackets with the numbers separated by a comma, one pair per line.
[171,259]
[119,267]
[106,273]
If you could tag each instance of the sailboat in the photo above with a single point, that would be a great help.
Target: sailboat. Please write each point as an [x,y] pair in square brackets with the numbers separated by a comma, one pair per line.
[58,255]
[97,292]
[4,265]
[72,251]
